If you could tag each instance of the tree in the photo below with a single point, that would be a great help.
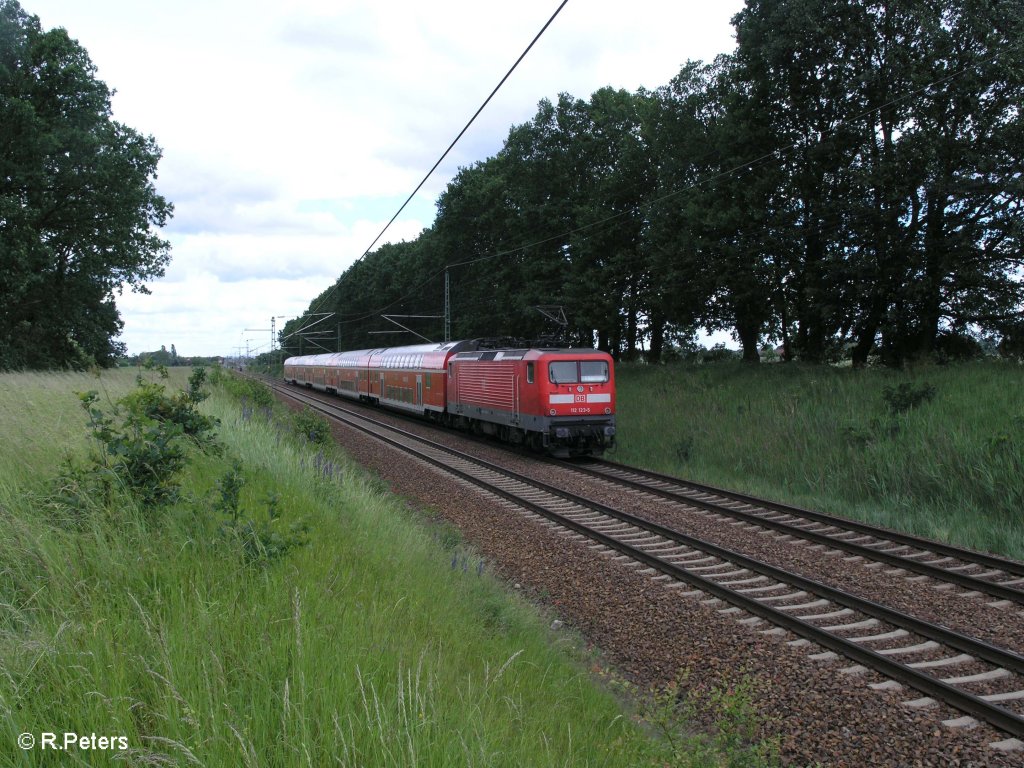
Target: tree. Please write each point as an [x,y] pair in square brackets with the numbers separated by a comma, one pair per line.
[611,287]
[77,203]
[899,131]
[716,259]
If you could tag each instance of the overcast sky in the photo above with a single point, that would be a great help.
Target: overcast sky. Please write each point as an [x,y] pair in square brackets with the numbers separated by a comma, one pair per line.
[291,132]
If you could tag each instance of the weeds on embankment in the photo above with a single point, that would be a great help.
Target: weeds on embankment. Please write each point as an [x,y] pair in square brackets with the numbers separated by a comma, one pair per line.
[192,624]
[937,450]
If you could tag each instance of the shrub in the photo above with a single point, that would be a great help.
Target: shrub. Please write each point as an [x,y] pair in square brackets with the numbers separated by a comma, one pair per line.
[672,711]
[1011,344]
[249,391]
[684,448]
[261,542]
[151,401]
[230,489]
[142,445]
[957,347]
[902,398]
[310,425]
[719,353]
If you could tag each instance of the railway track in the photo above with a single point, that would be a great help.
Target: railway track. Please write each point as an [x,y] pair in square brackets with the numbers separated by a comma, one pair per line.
[976,572]
[933,660]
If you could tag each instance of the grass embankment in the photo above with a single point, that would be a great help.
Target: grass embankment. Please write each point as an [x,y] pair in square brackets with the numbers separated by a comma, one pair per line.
[363,646]
[937,451]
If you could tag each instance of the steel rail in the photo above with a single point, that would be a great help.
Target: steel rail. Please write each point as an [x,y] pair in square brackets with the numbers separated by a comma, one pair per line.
[997,716]
[995,589]
[968,556]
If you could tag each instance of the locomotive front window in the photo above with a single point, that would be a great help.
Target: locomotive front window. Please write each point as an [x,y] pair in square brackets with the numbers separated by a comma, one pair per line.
[563,372]
[593,371]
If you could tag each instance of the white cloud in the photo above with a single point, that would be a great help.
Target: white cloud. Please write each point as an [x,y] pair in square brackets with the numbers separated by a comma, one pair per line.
[292,131]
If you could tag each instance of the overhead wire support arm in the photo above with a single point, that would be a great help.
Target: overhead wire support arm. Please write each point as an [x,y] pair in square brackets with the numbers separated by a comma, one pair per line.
[317,344]
[322,315]
[391,319]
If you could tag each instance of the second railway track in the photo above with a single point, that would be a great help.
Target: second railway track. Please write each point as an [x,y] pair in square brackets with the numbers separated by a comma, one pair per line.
[977,572]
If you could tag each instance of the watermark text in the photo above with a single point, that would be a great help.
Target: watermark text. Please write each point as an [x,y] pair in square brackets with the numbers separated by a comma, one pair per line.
[67,741]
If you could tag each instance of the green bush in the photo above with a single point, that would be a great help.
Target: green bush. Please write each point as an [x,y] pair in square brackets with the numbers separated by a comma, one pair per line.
[311,426]
[251,392]
[141,445]
[261,542]
[733,741]
[906,396]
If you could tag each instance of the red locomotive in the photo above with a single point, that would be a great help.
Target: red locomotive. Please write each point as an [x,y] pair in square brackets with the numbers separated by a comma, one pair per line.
[561,401]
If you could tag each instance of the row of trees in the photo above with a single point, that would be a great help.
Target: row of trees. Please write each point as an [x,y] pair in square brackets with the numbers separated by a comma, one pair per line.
[167,358]
[78,209]
[849,179]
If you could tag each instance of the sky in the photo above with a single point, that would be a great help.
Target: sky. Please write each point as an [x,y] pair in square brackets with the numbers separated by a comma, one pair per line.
[292,132]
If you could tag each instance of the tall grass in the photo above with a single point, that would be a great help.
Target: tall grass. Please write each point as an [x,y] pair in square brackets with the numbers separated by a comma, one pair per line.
[363,648]
[951,467]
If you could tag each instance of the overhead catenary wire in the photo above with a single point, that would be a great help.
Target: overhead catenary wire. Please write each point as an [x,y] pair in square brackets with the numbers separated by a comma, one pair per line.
[455,141]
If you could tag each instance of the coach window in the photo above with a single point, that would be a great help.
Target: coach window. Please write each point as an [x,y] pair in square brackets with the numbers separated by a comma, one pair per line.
[529,373]
[593,371]
[562,372]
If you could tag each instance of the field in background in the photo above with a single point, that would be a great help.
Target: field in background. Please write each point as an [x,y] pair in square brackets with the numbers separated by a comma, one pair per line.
[937,450]
[364,646]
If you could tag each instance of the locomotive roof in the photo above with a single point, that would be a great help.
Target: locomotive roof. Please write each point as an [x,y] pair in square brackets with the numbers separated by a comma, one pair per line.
[531,353]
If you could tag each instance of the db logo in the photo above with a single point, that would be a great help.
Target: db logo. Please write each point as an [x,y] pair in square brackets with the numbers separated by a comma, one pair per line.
[581,398]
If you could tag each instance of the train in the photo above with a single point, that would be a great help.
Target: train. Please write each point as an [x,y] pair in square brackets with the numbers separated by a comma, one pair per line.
[559,401]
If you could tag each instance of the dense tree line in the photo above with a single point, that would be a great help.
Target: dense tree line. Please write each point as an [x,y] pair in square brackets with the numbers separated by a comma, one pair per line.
[166,358]
[847,182]
[78,208]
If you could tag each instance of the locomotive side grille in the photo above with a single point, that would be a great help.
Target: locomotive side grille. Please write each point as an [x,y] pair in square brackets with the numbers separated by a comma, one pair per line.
[491,384]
